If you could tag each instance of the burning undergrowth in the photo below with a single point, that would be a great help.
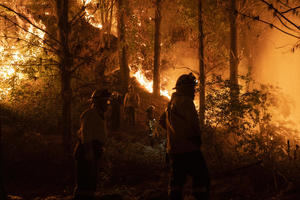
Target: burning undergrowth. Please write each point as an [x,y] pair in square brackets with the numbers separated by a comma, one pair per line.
[260,134]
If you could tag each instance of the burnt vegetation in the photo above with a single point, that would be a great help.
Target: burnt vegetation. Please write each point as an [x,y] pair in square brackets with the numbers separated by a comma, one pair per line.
[54,53]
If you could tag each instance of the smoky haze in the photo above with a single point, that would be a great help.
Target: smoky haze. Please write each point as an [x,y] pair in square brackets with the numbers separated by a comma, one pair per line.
[276,64]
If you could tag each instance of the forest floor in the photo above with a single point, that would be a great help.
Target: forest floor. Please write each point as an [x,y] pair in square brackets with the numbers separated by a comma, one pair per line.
[132,170]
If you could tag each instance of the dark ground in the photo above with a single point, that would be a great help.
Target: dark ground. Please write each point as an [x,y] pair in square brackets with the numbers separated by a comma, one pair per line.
[133,174]
[35,168]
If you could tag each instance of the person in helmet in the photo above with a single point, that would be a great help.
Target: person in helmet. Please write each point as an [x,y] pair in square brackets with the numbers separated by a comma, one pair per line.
[151,125]
[116,102]
[184,141]
[131,103]
[92,136]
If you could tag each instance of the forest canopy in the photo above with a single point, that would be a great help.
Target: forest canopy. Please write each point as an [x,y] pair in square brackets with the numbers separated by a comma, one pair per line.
[55,53]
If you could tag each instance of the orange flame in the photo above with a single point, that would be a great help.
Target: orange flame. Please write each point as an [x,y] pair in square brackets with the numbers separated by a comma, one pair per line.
[36,31]
[10,68]
[147,84]
[89,17]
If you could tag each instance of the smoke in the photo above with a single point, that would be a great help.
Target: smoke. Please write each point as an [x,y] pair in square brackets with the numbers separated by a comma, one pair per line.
[275,63]
[182,60]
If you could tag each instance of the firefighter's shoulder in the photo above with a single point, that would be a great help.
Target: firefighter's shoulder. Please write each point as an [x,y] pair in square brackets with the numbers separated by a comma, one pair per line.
[88,113]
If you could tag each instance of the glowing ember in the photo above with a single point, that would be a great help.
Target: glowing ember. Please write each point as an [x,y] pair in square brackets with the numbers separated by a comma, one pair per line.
[148,84]
[89,17]
[6,72]
[85,2]
[11,68]
[36,31]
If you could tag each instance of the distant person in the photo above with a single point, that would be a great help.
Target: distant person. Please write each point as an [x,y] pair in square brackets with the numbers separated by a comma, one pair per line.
[151,125]
[131,103]
[184,141]
[92,136]
[154,130]
[116,102]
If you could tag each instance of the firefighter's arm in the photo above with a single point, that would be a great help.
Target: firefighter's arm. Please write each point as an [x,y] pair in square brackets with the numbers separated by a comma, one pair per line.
[125,99]
[79,135]
[162,120]
[82,129]
[125,102]
[138,99]
[87,137]
[193,119]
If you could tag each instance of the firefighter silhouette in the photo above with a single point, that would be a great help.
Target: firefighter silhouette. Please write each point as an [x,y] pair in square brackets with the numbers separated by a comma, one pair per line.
[184,141]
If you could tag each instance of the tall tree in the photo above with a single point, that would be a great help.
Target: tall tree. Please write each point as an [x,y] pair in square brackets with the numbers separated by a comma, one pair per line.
[65,65]
[64,46]
[123,60]
[234,89]
[2,189]
[201,66]
[157,41]
[106,8]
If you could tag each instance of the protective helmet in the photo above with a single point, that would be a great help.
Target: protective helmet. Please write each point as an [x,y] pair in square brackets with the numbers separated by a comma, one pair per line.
[186,80]
[100,93]
[131,87]
[150,109]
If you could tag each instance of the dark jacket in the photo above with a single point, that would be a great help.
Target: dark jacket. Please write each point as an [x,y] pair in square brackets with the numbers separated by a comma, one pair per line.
[182,125]
[92,134]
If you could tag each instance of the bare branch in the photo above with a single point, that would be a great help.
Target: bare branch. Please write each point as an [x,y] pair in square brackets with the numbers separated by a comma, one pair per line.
[277,11]
[212,68]
[286,26]
[270,24]
[54,62]
[30,43]
[31,64]
[289,10]
[27,20]
[87,85]
[85,60]
[283,3]
[79,15]
[17,25]
[188,68]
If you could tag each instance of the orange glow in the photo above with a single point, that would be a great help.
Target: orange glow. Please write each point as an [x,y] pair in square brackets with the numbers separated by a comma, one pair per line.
[6,72]
[86,2]
[36,31]
[89,17]
[276,64]
[147,84]
[10,68]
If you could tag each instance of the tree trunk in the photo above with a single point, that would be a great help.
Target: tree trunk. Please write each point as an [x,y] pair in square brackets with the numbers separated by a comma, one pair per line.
[201,67]
[234,89]
[110,21]
[248,48]
[65,67]
[124,69]
[156,73]
[2,189]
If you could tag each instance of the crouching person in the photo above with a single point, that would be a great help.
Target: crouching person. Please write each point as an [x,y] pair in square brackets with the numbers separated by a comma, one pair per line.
[92,136]
[184,142]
